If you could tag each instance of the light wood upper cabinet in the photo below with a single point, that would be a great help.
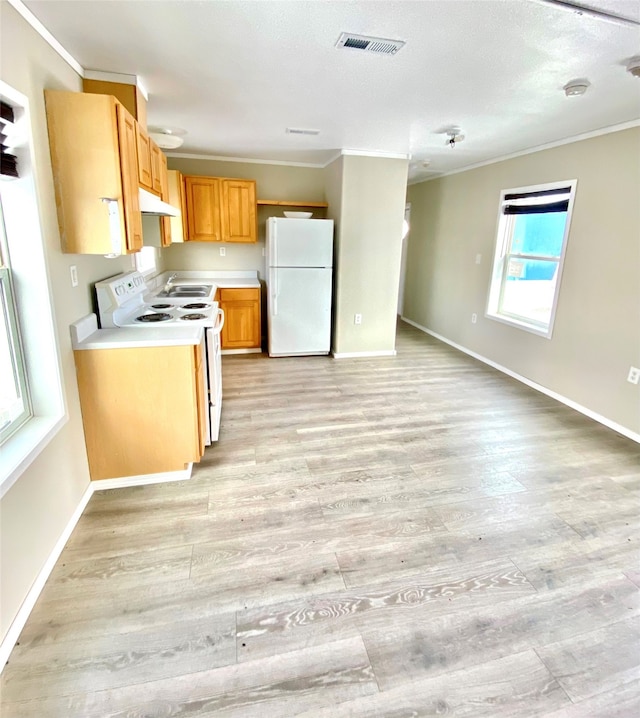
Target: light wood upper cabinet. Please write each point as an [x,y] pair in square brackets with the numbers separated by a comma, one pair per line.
[220,209]
[157,156]
[128,165]
[94,158]
[152,164]
[239,223]
[177,199]
[202,195]
[242,323]
[143,144]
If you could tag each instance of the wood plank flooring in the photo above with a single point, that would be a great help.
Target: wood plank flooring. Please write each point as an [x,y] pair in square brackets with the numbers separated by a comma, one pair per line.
[395,537]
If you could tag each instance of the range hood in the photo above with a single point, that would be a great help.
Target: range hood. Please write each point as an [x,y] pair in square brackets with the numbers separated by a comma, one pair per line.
[150,204]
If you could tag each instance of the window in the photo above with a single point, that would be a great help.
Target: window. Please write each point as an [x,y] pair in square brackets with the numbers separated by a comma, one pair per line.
[145,260]
[31,398]
[15,405]
[533,227]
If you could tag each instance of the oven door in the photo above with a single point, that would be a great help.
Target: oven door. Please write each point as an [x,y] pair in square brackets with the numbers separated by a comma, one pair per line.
[214,371]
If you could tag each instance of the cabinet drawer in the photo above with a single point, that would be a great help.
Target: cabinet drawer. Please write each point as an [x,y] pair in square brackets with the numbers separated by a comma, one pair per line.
[239,295]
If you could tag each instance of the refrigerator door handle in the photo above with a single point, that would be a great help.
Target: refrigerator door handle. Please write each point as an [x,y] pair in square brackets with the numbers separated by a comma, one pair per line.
[274,285]
[274,244]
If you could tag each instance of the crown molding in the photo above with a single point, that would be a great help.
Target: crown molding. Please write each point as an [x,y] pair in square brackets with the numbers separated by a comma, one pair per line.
[539,148]
[376,153]
[246,160]
[20,8]
[118,77]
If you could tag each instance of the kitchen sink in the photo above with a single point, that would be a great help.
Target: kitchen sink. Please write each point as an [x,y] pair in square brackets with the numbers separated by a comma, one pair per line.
[186,290]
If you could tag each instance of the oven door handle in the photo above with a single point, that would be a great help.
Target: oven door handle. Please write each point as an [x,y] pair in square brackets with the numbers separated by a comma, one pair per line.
[217,327]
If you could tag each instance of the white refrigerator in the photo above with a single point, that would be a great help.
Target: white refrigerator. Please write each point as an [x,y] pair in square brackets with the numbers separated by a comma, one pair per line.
[299,286]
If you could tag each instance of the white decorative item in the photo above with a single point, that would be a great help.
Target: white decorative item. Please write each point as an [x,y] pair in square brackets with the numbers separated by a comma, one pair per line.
[298,215]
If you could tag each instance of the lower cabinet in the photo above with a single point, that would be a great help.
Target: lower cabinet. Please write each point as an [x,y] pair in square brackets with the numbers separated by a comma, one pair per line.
[143,408]
[242,323]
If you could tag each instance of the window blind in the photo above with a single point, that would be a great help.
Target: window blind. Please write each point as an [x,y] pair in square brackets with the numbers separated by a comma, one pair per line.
[8,162]
[540,202]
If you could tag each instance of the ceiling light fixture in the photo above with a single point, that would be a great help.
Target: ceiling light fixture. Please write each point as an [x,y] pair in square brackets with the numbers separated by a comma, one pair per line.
[167,138]
[633,66]
[574,88]
[455,135]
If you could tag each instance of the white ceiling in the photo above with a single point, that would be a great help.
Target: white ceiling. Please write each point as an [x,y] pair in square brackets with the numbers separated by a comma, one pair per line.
[236,74]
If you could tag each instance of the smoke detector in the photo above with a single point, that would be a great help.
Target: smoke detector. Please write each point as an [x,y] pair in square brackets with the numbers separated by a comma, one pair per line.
[167,138]
[574,88]
[633,66]
[377,45]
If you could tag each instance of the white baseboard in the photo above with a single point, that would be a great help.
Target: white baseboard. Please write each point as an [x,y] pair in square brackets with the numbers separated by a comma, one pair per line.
[538,387]
[143,479]
[9,641]
[360,355]
[254,350]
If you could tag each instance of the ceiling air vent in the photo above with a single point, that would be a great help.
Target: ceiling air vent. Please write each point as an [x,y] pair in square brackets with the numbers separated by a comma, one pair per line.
[301,131]
[379,45]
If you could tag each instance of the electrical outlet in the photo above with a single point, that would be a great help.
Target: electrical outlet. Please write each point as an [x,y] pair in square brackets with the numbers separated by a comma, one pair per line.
[73,270]
[223,251]
[474,318]
[478,258]
[634,375]
[264,251]
[357,318]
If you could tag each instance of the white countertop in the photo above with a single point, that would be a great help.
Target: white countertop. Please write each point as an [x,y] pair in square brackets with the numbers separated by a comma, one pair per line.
[221,279]
[86,335]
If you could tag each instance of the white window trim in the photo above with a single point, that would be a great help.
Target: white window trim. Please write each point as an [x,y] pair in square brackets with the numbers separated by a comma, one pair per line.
[35,313]
[497,281]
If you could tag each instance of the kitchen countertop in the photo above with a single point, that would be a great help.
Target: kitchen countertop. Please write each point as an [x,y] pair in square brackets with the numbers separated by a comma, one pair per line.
[220,279]
[86,335]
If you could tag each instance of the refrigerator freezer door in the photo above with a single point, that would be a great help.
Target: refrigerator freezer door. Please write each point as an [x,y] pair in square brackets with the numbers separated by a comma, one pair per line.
[299,311]
[299,242]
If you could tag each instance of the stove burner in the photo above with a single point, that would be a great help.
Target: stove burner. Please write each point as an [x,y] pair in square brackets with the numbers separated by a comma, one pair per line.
[160,306]
[193,317]
[159,317]
[194,305]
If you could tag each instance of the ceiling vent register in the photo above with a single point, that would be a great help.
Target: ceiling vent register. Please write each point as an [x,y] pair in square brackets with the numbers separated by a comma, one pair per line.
[377,45]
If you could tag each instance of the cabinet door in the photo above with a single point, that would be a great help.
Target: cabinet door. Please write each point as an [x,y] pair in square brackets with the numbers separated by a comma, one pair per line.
[241,328]
[203,209]
[144,158]
[85,159]
[156,167]
[201,398]
[177,199]
[165,222]
[118,384]
[239,210]
[128,166]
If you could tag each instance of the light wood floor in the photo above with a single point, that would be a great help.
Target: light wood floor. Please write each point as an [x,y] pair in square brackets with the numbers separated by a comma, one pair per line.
[409,536]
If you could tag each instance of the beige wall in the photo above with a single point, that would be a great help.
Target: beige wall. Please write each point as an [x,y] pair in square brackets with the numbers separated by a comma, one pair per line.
[37,508]
[368,253]
[272,182]
[597,329]
[333,174]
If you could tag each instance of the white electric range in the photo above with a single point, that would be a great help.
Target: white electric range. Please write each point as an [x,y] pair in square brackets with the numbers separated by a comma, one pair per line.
[124,301]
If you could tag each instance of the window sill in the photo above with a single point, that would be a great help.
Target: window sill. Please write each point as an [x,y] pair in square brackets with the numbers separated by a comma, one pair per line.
[25,445]
[518,324]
